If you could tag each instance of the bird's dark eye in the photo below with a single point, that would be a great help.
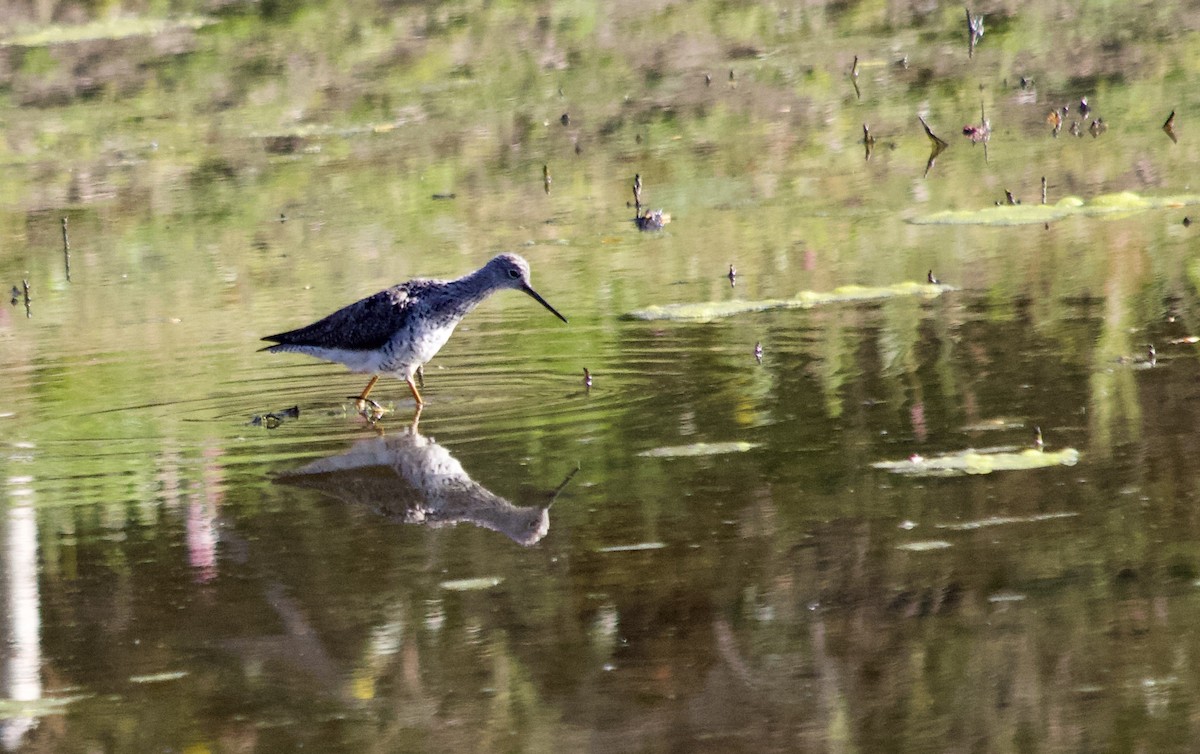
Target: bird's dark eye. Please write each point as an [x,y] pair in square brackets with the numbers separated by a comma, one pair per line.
[514,273]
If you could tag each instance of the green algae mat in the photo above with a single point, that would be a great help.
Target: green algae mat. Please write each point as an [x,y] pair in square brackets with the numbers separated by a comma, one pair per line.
[699,449]
[707,311]
[972,461]
[1108,206]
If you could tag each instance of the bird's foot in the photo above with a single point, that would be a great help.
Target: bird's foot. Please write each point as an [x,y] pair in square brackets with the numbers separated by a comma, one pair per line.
[367,408]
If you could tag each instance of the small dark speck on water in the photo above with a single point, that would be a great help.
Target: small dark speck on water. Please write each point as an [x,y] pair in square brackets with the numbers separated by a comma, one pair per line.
[443,197]
[1187,221]
[758,352]
[566,119]
[587,378]
[16,295]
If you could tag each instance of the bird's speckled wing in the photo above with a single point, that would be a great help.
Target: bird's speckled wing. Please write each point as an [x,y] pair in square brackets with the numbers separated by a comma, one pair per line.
[362,326]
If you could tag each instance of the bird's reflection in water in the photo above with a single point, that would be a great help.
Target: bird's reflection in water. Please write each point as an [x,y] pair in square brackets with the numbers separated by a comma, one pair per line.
[412,479]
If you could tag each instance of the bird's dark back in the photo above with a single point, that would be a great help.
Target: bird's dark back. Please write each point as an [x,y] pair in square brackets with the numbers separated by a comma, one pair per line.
[364,325]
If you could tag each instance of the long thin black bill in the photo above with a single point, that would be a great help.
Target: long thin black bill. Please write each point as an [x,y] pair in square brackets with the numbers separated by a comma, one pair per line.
[543,302]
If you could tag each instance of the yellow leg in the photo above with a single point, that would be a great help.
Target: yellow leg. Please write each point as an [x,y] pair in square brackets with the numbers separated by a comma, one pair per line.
[367,390]
[362,400]
[413,387]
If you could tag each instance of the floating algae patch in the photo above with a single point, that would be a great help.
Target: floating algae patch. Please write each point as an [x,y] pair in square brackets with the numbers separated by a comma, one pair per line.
[699,449]
[707,311]
[924,546]
[47,705]
[972,461]
[1003,214]
[471,585]
[170,675]
[1005,520]
[316,130]
[121,27]
[995,424]
[1109,206]
[639,547]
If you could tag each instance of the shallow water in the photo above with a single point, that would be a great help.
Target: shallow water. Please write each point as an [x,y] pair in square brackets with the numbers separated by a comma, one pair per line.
[699,552]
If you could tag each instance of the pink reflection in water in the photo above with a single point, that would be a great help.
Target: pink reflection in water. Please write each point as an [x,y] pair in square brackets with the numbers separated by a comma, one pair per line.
[917,416]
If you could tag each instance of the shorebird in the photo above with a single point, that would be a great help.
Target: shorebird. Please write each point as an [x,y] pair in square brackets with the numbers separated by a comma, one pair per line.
[398,330]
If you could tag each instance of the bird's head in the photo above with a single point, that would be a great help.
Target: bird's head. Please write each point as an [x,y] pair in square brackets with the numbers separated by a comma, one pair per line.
[512,271]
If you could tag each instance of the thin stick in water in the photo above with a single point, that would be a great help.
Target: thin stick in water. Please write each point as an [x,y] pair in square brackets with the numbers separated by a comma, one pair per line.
[66,250]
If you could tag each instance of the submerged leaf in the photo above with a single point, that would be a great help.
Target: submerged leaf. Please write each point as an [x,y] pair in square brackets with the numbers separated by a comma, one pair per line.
[706,311]
[973,461]
[699,449]
[1109,206]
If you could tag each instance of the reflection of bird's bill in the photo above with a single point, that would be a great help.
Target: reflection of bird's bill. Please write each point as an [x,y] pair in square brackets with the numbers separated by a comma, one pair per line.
[563,485]
[543,302]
